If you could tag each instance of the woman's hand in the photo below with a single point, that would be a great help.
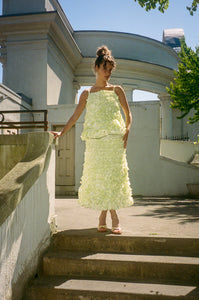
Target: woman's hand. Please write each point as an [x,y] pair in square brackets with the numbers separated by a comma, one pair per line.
[125,138]
[56,134]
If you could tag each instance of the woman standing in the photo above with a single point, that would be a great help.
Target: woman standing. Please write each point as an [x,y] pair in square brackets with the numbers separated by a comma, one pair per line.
[105,183]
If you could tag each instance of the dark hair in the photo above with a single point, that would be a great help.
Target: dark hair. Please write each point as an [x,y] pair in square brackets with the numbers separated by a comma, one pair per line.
[103,57]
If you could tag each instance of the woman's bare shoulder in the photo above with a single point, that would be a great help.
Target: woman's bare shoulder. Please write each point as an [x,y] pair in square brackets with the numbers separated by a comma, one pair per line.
[119,89]
[84,95]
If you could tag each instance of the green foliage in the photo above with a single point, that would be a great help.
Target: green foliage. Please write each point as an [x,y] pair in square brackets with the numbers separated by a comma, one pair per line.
[184,91]
[193,7]
[151,4]
[164,4]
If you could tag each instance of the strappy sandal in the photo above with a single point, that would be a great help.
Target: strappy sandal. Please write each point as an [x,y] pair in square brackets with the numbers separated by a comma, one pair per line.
[102,228]
[116,230]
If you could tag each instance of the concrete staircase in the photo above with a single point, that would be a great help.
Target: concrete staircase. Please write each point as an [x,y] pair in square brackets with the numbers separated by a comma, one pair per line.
[104,266]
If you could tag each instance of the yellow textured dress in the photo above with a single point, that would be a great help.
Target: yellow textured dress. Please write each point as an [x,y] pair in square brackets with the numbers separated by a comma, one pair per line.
[105,182]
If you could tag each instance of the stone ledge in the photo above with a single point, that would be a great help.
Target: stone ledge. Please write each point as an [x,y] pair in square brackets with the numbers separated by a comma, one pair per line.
[15,184]
[193,189]
[195,161]
[19,139]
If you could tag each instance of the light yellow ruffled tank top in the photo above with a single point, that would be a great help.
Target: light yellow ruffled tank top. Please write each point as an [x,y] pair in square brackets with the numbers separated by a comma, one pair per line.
[103,115]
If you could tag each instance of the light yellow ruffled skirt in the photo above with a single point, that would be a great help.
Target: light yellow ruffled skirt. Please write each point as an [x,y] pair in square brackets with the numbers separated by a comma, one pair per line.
[105,182]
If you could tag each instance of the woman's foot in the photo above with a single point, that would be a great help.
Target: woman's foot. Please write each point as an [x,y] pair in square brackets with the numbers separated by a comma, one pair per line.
[116,230]
[102,228]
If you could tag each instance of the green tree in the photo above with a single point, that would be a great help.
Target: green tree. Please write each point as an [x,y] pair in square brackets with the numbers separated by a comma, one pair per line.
[184,90]
[164,4]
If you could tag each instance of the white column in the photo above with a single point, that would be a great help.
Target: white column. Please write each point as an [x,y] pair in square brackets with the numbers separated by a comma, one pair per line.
[129,92]
[76,87]
[166,116]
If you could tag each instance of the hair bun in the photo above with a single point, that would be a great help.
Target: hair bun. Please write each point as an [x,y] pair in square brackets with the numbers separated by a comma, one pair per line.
[103,50]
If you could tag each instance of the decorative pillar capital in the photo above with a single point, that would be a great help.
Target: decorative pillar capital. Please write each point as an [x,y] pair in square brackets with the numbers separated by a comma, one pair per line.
[164,97]
[76,87]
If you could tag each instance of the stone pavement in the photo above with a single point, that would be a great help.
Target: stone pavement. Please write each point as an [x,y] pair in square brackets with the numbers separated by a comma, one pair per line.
[149,216]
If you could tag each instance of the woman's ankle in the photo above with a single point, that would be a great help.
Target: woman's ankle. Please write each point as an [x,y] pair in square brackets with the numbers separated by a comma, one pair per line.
[115,219]
[102,218]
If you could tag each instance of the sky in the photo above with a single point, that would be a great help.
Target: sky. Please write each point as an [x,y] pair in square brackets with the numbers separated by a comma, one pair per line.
[128,16]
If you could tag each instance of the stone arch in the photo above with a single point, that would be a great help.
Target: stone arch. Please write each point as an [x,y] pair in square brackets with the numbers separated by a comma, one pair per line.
[142,63]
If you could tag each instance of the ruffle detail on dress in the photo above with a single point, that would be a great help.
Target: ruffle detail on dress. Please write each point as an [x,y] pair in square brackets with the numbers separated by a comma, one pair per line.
[105,183]
[103,115]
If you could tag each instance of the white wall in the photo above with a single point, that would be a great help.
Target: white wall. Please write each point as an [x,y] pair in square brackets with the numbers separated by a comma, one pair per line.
[26,6]
[192,129]
[11,101]
[178,150]
[59,80]
[25,235]
[181,127]
[27,71]
[143,146]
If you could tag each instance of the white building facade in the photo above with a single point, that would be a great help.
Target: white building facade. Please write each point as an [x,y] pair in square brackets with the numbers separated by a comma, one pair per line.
[45,59]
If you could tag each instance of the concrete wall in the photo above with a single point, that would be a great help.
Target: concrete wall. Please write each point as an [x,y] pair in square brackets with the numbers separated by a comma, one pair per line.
[178,150]
[25,233]
[143,146]
[26,71]
[192,129]
[12,150]
[9,6]
[59,79]
[150,173]
[12,101]
[181,127]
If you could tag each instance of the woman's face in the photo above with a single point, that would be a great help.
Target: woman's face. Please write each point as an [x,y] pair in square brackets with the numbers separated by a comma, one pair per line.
[104,73]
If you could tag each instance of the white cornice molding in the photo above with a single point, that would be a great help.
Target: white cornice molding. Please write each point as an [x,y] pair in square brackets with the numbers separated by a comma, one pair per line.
[62,14]
[49,23]
[127,46]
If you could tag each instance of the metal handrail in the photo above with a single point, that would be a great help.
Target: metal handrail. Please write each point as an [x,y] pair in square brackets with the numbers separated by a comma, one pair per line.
[23,124]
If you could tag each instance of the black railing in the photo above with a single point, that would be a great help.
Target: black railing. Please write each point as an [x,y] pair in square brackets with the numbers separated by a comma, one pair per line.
[4,124]
[178,138]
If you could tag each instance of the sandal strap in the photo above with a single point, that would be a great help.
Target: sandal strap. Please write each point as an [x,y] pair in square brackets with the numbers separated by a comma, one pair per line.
[117,229]
[102,226]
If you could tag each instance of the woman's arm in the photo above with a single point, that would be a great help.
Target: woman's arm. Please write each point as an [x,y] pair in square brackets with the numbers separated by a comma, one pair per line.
[128,117]
[77,113]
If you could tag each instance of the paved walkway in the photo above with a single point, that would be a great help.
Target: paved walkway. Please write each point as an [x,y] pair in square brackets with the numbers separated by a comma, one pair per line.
[149,216]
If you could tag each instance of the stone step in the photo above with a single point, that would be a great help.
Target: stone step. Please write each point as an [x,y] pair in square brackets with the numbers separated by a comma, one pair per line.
[154,269]
[53,288]
[101,242]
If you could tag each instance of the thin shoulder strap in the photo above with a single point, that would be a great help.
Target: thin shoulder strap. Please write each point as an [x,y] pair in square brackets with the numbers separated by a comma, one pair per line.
[114,88]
